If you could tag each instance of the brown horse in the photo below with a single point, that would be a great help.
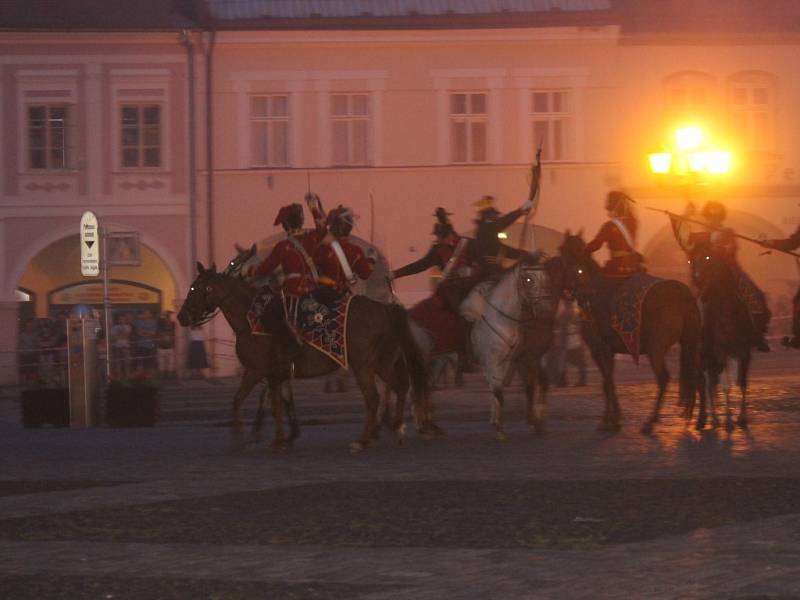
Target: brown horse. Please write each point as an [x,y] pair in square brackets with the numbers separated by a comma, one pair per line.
[728,330]
[377,336]
[668,317]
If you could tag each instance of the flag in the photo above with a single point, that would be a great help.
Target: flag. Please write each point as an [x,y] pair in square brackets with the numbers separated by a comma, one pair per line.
[682,231]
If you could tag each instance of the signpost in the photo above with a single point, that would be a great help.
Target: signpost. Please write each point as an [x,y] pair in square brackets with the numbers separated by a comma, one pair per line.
[90,245]
[91,235]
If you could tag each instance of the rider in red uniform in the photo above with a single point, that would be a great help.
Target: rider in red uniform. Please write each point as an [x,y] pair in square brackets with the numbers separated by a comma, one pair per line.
[333,279]
[293,256]
[619,233]
[721,241]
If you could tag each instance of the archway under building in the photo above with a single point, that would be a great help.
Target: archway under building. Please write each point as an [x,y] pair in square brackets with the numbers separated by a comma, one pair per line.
[53,282]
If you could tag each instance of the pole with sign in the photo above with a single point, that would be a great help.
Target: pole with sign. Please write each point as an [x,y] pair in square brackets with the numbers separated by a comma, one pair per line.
[91,238]
[90,245]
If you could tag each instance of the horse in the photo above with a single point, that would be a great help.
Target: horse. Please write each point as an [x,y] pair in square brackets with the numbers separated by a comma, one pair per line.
[728,330]
[377,333]
[514,322]
[668,317]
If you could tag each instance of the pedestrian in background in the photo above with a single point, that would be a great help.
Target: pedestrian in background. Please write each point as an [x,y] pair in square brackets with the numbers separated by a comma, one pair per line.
[166,346]
[197,360]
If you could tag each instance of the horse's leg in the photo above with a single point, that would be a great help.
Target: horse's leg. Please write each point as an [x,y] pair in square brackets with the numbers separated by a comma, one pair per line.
[258,422]
[291,413]
[246,385]
[604,358]
[744,368]
[365,378]
[277,386]
[712,392]
[535,403]
[396,380]
[727,385]
[497,409]
[659,366]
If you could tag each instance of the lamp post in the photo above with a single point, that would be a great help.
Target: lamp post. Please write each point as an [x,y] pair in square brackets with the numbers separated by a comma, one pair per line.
[689,159]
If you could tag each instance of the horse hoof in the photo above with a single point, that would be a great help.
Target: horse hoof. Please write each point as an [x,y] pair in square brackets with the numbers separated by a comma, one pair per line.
[436,430]
[356,447]
[500,436]
[729,426]
[742,423]
[647,428]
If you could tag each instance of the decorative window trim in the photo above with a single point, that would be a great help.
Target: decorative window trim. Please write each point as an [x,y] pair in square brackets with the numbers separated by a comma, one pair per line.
[469,118]
[574,82]
[269,120]
[757,137]
[33,92]
[140,93]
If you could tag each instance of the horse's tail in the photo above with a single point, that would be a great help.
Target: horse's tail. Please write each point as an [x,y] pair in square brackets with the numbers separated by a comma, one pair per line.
[691,376]
[414,359]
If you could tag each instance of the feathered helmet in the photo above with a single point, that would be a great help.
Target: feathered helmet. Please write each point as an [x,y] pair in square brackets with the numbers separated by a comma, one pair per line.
[619,203]
[340,221]
[290,216]
[486,208]
[714,210]
[443,225]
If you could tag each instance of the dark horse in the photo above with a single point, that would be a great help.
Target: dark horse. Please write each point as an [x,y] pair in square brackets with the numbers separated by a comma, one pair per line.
[377,336]
[668,317]
[728,329]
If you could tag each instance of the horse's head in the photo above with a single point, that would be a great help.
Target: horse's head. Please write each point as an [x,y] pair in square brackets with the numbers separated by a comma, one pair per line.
[243,256]
[535,285]
[578,268]
[707,270]
[205,295]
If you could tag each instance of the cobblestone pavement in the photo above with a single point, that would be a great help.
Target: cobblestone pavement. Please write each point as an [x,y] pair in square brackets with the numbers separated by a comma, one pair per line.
[179,511]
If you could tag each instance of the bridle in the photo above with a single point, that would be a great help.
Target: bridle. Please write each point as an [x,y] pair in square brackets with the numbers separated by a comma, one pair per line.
[208,314]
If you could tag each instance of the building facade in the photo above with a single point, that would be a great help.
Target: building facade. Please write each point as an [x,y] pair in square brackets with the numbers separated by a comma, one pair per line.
[392,108]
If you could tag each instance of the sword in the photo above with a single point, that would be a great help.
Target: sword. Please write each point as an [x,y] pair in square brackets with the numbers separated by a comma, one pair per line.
[533,192]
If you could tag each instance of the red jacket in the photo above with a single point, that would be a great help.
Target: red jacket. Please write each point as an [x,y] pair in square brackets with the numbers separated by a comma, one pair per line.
[624,260]
[330,270]
[297,277]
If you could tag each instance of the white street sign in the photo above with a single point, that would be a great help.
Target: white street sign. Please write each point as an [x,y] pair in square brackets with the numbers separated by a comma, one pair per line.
[90,245]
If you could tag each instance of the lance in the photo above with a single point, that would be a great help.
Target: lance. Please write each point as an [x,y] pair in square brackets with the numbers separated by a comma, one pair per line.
[389,282]
[707,226]
[533,192]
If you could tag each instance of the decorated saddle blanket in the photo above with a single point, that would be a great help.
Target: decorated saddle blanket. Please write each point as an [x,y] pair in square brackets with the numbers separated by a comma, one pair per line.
[748,292]
[321,321]
[626,309]
[445,328]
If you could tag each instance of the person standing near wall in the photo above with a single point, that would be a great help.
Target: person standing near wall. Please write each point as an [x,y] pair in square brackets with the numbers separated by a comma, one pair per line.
[197,359]
[166,346]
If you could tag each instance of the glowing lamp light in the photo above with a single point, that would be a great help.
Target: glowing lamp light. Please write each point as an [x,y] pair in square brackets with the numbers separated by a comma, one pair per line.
[502,235]
[660,162]
[718,162]
[689,138]
[697,161]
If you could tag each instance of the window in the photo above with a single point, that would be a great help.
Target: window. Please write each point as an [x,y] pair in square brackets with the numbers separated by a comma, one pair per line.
[141,135]
[350,116]
[49,137]
[269,130]
[468,124]
[689,95]
[751,108]
[549,114]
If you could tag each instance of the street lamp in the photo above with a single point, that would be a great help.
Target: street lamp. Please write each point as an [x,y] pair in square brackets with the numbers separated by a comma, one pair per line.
[690,158]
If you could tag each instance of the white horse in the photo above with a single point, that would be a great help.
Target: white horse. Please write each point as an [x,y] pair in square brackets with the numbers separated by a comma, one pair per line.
[513,328]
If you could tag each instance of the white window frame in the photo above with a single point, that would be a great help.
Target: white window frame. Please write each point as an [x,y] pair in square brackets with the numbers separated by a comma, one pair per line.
[69,136]
[468,118]
[550,117]
[351,120]
[269,122]
[754,121]
[141,146]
